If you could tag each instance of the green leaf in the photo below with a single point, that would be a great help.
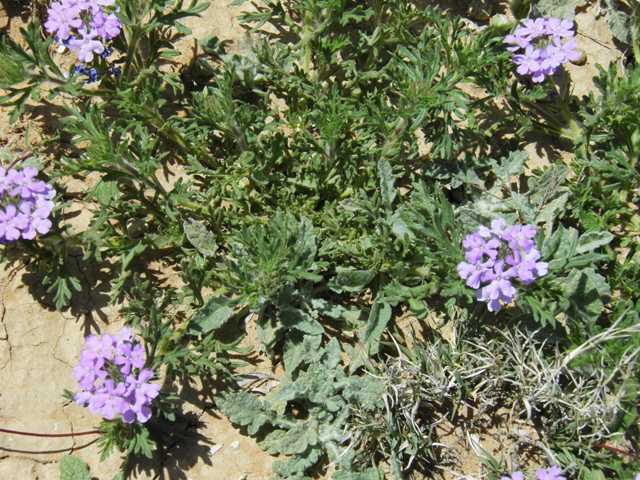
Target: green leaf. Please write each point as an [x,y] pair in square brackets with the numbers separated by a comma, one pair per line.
[558,8]
[271,443]
[216,311]
[331,356]
[202,239]
[371,473]
[520,8]
[551,210]
[387,181]
[299,348]
[620,25]
[73,468]
[378,318]
[303,435]
[527,211]
[297,464]
[291,317]
[587,291]
[350,280]
[591,240]
[510,167]
[364,391]
[543,189]
[244,409]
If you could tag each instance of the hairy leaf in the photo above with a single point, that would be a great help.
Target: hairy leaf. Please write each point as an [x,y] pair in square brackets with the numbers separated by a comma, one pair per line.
[213,314]
[73,468]
[244,409]
[200,237]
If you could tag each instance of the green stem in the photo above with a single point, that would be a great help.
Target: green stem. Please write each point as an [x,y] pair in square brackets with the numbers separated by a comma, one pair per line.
[133,44]
[635,30]
[573,125]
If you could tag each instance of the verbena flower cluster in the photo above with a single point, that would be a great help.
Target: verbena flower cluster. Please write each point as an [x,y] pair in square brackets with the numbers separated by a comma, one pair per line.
[83,26]
[554,473]
[112,380]
[497,255]
[540,43]
[25,204]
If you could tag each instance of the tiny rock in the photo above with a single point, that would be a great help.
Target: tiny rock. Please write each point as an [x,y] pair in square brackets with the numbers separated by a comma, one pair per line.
[582,59]
[480,9]
[213,450]
[235,445]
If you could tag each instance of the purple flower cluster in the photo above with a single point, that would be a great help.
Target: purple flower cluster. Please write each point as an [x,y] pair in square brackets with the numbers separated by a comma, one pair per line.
[490,252]
[542,50]
[92,27]
[554,473]
[25,204]
[112,380]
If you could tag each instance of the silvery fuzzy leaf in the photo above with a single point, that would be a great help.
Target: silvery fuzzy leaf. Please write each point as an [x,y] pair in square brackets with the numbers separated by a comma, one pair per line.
[203,240]
[216,311]
[244,409]
[73,468]
[350,280]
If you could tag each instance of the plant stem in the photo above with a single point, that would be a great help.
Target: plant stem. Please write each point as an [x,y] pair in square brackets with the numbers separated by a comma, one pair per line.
[30,434]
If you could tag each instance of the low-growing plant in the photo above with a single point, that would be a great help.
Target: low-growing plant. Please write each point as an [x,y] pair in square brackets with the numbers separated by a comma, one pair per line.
[327,185]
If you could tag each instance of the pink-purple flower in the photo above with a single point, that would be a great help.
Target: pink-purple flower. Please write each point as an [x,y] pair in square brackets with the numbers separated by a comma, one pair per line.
[497,256]
[539,47]
[84,25]
[86,45]
[112,379]
[62,17]
[554,473]
[25,204]
[11,222]
[514,476]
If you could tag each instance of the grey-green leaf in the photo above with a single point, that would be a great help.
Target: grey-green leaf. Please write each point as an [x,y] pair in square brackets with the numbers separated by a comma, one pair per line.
[350,280]
[510,167]
[291,317]
[378,318]
[213,314]
[202,239]
[242,408]
[73,468]
[558,8]
[387,184]
[589,241]
[299,348]
[620,26]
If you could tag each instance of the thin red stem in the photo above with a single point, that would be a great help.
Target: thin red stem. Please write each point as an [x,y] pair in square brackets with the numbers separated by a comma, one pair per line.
[612,449]
[92,432]
[355,335]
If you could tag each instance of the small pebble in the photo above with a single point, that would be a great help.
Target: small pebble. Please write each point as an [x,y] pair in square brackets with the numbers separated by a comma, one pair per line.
[214,449]
[582,59]
[235,445]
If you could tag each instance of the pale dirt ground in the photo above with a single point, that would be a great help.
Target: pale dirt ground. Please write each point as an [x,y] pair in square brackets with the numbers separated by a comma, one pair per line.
[39,346]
